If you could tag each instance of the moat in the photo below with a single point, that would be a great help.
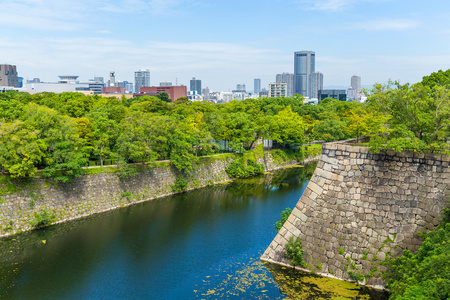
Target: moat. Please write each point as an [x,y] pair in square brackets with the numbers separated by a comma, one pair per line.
[203,244]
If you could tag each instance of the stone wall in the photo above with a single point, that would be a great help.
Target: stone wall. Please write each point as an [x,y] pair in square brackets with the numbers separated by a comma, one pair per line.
[361,208]
[101,192]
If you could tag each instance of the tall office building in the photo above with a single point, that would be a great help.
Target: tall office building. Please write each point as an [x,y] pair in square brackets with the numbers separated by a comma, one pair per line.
[316,79]
[9,76]
[141,79]
[287,78]
[196,85]
[304,65]
[356,83]
[256,85]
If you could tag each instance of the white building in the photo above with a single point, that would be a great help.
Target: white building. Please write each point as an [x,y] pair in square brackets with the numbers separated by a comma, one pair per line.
[277,89]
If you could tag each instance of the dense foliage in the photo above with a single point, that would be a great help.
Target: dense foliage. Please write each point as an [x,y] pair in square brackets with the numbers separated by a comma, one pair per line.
[418,115]
[61,133]
[425,275]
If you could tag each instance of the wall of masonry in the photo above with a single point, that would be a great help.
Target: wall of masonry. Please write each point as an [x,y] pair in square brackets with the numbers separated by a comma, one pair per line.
[361,208]
[91,194]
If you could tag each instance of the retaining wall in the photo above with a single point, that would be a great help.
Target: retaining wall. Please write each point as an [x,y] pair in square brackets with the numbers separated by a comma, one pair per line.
[360,208]
[97,193]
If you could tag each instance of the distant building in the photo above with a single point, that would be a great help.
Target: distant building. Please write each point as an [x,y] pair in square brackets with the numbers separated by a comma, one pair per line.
[165,83]
[34,80]
[264,93]
[96,85]
[112,78]
[68,79]
[240,87]
[316,79]
[9,76]
[256,85]
[174,92]
[351,94]
[113,90]
[196,85]
[335,94]
[141,79]
[356,85]
[287,78]
[304,65]
[205,93]
[277,89]
[66,83]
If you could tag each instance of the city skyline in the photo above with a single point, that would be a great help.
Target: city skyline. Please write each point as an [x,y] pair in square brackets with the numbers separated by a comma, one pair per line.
[376,39]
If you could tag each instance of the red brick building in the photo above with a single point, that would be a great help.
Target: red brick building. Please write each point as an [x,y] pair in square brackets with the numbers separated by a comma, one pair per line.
[174,92]
[113,90]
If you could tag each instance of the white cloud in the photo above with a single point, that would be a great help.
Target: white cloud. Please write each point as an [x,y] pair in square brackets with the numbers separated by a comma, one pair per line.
[331,5]
[70,15]
[387,24]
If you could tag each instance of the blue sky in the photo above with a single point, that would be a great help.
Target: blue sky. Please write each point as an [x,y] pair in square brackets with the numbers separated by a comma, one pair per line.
[225,42]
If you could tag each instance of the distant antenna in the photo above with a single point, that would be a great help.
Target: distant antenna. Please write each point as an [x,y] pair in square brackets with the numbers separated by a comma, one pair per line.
[176,81]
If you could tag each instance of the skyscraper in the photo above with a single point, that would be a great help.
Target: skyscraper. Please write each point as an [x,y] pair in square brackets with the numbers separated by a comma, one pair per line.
[304,65]
[287,78]
[316,79]
[196,85]
[141,79]
[256,85]
[356,83]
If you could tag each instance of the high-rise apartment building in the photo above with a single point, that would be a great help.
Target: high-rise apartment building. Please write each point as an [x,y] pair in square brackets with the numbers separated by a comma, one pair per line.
[316,84]
[256,85]
[356,84]
[304,65]
[287,78]
[196,85]
[9,76]
[277,89]
[141,79]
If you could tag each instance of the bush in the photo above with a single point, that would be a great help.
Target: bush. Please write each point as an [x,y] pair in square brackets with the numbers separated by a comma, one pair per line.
[239,169]
[284,216]
[425,275]
[181,184]
[43,218]
[295,252]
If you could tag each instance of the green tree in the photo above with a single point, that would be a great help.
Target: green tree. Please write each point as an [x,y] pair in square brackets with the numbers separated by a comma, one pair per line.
[21,150]
[60,134]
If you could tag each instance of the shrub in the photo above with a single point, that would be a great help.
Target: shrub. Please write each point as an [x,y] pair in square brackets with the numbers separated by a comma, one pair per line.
[43,218]
[241,169]
[181,184]
[356,276]
[295,252]
[424,275]
[284,216]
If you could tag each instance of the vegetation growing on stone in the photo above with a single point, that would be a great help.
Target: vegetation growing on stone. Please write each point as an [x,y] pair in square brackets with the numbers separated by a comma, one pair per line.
[294,252]
[425,275]
[284,216]
[43,218]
